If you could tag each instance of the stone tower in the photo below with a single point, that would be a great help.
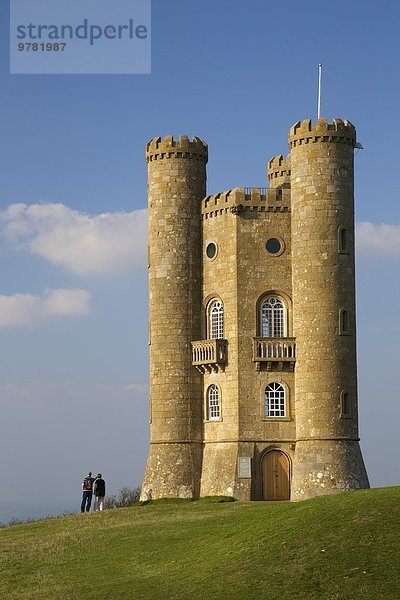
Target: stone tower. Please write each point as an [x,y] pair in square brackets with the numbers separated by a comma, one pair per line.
[327,456]
[253,377]
[176,186]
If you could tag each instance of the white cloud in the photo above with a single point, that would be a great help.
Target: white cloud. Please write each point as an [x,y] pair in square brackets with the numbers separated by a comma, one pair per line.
[378,240]
[105,244]
[30,309]
[115,243]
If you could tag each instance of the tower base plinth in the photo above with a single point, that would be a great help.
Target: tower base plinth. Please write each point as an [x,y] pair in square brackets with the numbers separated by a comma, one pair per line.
[172,471]
[323,467]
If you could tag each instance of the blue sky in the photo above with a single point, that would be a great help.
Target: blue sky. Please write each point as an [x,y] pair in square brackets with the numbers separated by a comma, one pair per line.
[73,318]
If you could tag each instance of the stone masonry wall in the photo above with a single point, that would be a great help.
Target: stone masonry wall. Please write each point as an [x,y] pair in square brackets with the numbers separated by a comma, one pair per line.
[240,274]
[220,281]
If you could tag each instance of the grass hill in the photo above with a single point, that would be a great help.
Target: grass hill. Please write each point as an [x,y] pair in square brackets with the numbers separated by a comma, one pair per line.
[335,548]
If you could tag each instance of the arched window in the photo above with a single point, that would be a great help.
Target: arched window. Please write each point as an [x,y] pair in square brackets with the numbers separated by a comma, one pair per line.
[273,317]
[213,403]
[216,320]
[274,400]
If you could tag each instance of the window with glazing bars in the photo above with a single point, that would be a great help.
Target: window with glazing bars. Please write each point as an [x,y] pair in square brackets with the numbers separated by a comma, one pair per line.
[213,402]
[216,320]
[274,400]
[273,317]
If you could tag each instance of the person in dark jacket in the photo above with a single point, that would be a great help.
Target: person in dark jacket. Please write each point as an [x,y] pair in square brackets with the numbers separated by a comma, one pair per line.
[99,492]
[87,488]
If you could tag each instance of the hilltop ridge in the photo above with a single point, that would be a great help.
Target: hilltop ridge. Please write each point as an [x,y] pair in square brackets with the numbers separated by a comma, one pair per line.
[337,547]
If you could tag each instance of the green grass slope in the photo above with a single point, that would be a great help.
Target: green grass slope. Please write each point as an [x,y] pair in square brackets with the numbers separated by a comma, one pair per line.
[339,547]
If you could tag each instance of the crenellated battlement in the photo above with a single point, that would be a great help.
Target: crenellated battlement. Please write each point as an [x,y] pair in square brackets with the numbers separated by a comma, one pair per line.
[305,132]
[240,200]
[278,171]
[167,147]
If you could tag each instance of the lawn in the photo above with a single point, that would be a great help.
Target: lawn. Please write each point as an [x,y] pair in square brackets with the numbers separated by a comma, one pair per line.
[339,547]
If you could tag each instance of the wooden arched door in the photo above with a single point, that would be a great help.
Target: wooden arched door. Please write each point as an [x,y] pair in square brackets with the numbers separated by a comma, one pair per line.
[276,476]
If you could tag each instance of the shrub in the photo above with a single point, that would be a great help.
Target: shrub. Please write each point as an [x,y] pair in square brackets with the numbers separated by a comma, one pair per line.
[124,498]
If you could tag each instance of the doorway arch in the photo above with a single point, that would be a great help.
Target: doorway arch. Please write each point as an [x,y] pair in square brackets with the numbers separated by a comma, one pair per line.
[276,476]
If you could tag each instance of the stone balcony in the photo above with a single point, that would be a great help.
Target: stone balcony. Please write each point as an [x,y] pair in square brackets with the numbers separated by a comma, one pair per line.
[209,355]
[277,354]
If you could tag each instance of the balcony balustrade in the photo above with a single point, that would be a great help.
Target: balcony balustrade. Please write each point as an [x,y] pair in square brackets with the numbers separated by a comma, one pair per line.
[209,355]
[277,353]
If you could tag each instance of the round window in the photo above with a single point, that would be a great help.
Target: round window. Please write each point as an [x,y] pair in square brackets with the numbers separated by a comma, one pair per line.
[273,246]
[211,250]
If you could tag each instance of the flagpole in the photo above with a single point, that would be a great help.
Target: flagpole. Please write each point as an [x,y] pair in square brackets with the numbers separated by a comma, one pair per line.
[319,89]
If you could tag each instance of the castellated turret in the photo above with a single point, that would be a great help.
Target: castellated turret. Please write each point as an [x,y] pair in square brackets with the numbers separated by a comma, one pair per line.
[328,456]
[176,186]
[253,376]
[278,172]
